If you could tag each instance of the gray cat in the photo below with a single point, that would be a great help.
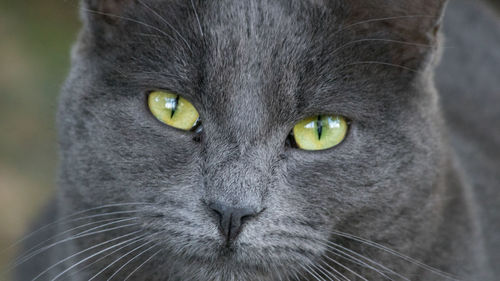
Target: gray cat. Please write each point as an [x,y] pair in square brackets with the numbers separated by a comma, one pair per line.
[277,140]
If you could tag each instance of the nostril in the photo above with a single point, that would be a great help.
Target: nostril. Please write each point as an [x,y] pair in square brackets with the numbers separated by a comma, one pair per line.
[231,219]
[245,218]
[217,212]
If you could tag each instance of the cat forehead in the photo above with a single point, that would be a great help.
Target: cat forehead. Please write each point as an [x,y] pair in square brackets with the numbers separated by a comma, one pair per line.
[245,42]
[297,55]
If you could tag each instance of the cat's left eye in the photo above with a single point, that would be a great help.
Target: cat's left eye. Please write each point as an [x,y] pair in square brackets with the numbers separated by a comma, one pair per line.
[320,132]
[173,110]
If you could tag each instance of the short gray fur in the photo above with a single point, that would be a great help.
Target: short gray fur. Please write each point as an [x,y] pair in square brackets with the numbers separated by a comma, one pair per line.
[404,177]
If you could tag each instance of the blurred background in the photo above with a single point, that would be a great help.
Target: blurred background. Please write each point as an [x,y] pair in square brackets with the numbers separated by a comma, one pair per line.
[35,39]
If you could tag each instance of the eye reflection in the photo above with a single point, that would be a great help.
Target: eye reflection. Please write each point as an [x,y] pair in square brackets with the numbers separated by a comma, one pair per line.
[333,123]
[310,125]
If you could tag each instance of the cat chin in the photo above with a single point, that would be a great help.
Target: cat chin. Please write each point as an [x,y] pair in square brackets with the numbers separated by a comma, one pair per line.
[237,262]
[225,269]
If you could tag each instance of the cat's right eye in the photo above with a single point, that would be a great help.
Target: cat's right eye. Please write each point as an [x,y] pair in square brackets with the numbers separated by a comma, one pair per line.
[320,132]
[173,110]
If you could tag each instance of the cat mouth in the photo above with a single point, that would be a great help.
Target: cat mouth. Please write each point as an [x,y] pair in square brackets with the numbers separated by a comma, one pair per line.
[253,249]
[220,254]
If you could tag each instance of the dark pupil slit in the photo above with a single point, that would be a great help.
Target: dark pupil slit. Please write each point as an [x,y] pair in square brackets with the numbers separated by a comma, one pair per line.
[175,106]
[319,124]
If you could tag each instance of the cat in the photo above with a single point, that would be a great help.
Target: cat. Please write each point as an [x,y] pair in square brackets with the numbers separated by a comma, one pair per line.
[409,192]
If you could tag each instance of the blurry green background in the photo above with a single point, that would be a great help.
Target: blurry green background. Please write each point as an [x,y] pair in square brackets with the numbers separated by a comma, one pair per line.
[35,39]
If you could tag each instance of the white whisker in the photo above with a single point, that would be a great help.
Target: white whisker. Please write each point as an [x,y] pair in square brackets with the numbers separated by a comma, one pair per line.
[63,219]
[197,18]
[107,255]
[132,20]
[93,255]
[322,270]
[331,246]
[141,265]
[311,272]
[379,40]
[379,63]
[44,249]
[129,261]
[166,22]
[343,266]
[331,273]
[88,249]
[121,257]
[30,250]
[347,27]
[393,252]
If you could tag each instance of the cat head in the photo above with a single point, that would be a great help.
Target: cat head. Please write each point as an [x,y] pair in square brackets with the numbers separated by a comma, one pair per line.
[253,70]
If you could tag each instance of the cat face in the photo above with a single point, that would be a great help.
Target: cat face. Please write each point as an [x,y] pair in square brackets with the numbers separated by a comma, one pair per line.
[252,70]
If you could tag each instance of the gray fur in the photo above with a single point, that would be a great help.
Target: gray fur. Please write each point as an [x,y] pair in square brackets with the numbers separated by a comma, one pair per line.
[404,177]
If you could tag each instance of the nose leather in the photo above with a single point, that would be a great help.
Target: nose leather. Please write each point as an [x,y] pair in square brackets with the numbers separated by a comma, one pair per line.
[231,219]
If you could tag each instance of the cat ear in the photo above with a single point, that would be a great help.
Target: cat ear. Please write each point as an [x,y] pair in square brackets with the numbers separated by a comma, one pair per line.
[416,21]
[411,25]
[109,11]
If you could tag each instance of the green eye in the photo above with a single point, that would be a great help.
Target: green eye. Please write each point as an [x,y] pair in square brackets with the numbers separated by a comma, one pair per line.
[320,132]
[173,110]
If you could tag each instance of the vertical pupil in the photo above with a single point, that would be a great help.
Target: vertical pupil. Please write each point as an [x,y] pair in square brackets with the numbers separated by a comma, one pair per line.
[319,125]
[174,107]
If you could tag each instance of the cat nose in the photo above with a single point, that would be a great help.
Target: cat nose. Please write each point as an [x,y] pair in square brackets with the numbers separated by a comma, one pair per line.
[231,219]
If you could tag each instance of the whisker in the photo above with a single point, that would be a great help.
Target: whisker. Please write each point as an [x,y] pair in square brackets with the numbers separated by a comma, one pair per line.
[28,251]
[331,273]
[166,22]
[380,40]
[393,252]
[107,255]
[131,20]
[312,273]
[131,260]
[43,249]
[327,274]
[90,248]
[104,225]
[148,35]
[355,260]
[27,236]
[122,256]
[331,245]
[120,248]
[380,63]
[141,265]
[197,18]
[343,266]
[162,73]
[278,273]
[347,27]
[381,270]
[299,274]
